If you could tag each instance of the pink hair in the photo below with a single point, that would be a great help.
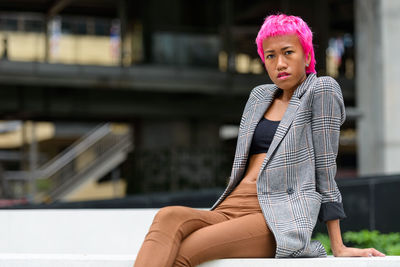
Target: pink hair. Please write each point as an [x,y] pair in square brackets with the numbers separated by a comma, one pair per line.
[282,24]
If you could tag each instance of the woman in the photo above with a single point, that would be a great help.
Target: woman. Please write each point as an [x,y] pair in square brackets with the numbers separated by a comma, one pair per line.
[283,172]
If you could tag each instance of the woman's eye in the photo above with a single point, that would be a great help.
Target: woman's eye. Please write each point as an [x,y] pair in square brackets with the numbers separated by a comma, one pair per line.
[269,56]
[288,52]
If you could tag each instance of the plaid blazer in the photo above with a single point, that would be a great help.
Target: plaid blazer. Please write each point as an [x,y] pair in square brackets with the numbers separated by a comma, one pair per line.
[297,174]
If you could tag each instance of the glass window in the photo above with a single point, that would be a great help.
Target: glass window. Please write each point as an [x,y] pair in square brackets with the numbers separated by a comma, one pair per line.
[9,24]
[33,25]
[102,27]
[186,49]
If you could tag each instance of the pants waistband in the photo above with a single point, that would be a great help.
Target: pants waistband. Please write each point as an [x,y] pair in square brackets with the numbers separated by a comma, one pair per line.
[245,188]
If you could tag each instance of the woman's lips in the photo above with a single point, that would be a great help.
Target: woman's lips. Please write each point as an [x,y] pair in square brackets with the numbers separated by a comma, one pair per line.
[282,76]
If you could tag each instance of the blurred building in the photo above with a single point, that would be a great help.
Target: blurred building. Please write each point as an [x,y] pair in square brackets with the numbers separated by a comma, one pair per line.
[174,74]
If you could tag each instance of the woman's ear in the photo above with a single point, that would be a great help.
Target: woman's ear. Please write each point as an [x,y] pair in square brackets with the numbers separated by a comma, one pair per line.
[308,59]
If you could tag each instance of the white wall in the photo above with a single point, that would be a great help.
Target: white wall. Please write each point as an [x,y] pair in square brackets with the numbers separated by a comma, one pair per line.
[91,231]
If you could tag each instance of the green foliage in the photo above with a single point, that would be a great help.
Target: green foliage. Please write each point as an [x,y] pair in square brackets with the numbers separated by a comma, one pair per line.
[393,250]
[388,244]
[385,243]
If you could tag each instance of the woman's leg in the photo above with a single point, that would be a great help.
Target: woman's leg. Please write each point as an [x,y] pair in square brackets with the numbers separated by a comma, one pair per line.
[170,226]
[244,237]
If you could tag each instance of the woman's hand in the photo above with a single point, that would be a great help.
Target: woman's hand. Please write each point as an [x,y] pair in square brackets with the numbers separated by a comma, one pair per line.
[340,250]
[344,251]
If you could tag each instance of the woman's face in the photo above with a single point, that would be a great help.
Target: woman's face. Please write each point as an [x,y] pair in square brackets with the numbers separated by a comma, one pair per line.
[285,61]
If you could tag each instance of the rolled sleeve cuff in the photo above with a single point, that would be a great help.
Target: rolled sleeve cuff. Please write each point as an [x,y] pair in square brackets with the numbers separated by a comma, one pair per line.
[331,211]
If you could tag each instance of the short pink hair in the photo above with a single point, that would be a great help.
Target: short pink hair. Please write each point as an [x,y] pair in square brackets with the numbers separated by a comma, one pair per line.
[282,24]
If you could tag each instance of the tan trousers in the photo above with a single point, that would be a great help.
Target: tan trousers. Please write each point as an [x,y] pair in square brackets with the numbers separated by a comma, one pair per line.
[182,236]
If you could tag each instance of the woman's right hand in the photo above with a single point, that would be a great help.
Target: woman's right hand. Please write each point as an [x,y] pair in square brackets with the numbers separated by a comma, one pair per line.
[357,252]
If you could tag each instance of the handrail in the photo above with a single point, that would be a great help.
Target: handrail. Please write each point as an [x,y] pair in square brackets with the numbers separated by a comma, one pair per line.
[69,166]
[105,154]
[75,149]
[64,157]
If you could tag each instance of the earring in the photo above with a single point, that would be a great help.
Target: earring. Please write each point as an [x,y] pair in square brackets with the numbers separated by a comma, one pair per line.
[307,65]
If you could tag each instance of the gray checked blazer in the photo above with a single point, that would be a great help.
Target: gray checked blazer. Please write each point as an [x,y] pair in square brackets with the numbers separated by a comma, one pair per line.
[295,184]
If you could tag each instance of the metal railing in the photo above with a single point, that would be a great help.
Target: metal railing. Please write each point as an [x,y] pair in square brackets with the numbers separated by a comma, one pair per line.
[74,164]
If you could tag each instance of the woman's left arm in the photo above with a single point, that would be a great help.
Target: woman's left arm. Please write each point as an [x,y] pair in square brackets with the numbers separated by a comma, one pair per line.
[340,250]
[328,114]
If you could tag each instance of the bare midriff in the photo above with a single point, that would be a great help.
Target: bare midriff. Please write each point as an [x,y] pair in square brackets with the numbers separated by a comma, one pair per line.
[255,162]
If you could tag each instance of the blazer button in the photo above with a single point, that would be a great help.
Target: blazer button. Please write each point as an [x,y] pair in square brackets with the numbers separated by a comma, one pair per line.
[290,190]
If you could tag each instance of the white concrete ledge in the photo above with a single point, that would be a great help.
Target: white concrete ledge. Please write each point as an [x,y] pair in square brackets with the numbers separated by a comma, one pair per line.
[112,238]
[330,261]
[79,260]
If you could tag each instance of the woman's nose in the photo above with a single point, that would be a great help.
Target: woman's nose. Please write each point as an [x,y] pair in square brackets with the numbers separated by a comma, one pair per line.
[281,63]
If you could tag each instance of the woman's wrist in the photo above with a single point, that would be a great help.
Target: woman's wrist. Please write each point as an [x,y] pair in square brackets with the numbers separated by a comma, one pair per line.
[337,249]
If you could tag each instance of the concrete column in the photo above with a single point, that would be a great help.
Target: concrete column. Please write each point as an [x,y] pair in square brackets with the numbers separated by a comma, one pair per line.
[377,86]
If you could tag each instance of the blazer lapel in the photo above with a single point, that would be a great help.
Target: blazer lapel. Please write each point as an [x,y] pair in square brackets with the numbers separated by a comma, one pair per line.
[257,110]
[283,128]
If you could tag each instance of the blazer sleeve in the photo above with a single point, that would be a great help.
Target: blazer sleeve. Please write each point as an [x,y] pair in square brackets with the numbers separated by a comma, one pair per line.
[328,114]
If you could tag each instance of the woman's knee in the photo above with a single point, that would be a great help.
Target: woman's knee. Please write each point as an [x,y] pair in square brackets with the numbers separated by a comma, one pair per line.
[171,213]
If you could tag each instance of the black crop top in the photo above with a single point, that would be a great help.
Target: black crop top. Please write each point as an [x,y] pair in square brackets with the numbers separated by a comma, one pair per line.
[263,135]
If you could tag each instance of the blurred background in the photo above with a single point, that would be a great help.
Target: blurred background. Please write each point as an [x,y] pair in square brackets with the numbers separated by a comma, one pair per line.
[117,103]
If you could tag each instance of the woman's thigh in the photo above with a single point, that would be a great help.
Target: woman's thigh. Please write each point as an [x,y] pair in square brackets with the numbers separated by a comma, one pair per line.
[185,220]
[244,237]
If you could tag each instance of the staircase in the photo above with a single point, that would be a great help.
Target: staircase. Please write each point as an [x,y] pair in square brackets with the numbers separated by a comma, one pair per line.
[91,157]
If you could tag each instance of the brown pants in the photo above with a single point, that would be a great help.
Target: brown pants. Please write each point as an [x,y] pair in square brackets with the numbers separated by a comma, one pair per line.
[182,236]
